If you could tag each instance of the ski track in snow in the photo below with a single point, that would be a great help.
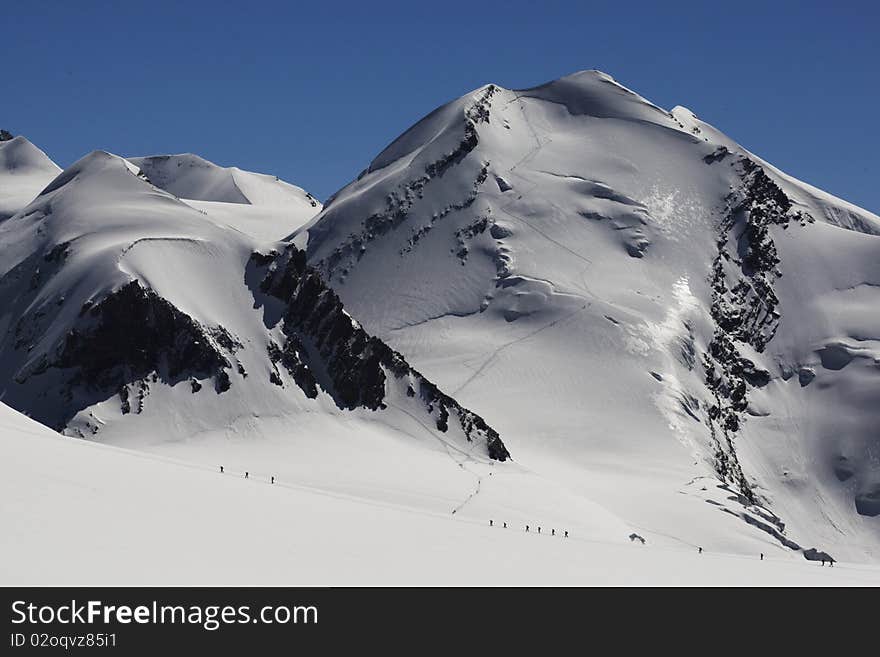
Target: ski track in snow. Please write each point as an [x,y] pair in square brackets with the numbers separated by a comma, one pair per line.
[468,457]
[503,347]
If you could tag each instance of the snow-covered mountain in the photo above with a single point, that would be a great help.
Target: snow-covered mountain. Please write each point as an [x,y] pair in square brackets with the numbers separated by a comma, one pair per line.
[675,341]
[645,309]
[127,315]
[24,171]
[255,203]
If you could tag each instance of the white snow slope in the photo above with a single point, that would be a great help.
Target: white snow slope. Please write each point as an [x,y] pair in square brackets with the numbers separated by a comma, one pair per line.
[79,513]
[24,171]
[638,304]
[255,203]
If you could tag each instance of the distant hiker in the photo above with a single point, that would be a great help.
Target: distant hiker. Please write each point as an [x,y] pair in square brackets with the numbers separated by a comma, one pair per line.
[505,525]
[700,550]
[552,532]
[490,523]
[539,530]
[566,533]
[221,469]
[762,556]
[273,479]
[527,528]
[245,475]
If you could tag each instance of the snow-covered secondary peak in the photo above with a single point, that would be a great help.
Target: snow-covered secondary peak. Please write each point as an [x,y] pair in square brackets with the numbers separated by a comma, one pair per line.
[24,171]
[672,307]
[189,176]
[260,205]
[129,315]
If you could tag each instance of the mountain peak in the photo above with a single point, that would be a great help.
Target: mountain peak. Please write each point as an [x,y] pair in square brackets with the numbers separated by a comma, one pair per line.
[192,177]
[595,93]
[24,171]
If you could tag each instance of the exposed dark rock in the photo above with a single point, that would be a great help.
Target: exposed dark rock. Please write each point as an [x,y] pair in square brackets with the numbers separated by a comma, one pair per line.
[125,405]
[400,201]
[117,345]
[744,306]
[131,333]
[717,155]
[753,375]
[289,357]
[812,554]
[469,232]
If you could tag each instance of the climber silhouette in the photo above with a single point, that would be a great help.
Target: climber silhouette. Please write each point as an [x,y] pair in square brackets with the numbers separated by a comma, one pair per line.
[245,475]
[273,479]
[221,469]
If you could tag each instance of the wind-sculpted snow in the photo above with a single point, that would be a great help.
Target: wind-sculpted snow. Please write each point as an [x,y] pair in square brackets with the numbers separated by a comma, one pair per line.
[545,260]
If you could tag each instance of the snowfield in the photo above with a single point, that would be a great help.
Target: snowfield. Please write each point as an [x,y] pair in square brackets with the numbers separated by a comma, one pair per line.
[77,513]
[561,307]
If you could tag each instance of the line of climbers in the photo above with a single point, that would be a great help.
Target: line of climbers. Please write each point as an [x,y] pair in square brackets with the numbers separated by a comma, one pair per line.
[247,475]
[552,531]
[632,537]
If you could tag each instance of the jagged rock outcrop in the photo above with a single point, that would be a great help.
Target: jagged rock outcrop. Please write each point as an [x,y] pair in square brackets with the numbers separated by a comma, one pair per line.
[745,306]
[324,344]
[400,201]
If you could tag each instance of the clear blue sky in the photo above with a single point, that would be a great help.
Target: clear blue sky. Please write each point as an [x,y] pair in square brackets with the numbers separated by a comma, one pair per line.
[312,91]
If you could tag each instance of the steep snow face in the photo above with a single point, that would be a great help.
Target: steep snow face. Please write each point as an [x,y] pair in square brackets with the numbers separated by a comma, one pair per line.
[24,171]
[128,315]
[257,204]
[632,297]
